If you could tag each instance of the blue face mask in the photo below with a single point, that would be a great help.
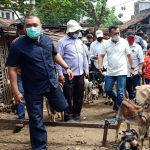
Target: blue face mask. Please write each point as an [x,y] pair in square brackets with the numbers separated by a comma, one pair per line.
[75,36]
[115,38]
[33,32]
[21,35]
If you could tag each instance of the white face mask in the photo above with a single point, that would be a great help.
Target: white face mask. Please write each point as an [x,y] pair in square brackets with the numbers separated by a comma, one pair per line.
[115,38]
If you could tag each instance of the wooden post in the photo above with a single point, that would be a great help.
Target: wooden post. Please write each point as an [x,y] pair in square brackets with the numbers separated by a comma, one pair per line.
[105,133]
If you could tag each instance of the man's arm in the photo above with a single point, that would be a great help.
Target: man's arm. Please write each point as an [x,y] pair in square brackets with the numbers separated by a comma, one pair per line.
[85,63]
[100,62]
[12,72]
[141,59]
[58,59]
[131,64]
[144,48]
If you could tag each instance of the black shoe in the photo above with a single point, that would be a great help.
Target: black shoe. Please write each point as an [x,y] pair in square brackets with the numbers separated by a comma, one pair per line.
[18,128]
[106,103]
[111,103]
[79,118]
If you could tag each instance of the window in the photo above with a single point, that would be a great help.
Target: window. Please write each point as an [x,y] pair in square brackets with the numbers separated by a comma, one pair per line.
[8,15]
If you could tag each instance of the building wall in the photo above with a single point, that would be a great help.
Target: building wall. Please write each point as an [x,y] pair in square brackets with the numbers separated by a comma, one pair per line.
[140,6]
[8,14]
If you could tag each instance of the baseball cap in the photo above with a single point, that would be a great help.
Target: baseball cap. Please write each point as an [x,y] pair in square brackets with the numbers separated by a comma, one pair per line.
[99,33]
[131,34]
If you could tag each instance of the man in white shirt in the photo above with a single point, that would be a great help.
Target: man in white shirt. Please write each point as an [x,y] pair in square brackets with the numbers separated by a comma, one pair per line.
[95,50]
[116,49]
[138,59]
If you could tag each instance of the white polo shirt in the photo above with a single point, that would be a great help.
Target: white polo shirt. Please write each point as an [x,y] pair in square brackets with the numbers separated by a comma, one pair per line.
[95,49]
[138,58]
[116,56]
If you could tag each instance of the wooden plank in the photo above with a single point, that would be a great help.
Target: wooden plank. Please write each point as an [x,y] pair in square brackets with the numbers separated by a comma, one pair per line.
[105,133]
[64,124]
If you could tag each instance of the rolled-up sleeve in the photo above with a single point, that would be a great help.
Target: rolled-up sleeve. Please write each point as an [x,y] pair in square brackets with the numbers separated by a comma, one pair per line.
[14,58]
[60,50]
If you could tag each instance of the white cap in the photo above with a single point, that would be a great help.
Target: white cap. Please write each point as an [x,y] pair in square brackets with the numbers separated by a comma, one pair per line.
[80,35]
[72,26]
[99,33]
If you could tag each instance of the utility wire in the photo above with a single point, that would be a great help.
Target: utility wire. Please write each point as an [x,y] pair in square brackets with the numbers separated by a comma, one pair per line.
[121,4]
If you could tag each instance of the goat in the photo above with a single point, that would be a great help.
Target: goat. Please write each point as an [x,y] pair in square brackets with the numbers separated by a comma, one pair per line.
[130,113]
[129,140]
[87,88]
[51,112]
[142,94]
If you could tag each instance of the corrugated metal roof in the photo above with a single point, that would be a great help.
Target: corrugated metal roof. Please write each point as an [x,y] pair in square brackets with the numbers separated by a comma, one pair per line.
[5,23]
[133,21]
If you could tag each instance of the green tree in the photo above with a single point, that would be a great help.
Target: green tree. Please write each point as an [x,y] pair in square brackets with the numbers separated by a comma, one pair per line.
[60,11]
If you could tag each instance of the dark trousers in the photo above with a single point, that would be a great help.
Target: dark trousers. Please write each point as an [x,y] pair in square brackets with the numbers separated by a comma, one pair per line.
[73,91]
[131,83]
[34,104]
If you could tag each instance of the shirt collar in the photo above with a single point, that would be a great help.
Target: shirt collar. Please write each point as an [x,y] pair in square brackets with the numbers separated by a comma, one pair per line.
[67,37]
[134,44]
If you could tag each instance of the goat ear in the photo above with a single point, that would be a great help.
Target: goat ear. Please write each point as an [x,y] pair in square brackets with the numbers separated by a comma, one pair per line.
[137,87]
[144,93]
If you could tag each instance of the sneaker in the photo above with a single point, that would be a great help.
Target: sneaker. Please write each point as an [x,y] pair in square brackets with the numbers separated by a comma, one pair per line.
[80,118]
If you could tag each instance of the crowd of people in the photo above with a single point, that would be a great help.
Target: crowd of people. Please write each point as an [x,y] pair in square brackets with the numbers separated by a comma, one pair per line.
[31,61]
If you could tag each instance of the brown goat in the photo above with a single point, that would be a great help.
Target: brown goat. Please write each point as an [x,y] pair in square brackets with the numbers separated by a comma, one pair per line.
[130,113]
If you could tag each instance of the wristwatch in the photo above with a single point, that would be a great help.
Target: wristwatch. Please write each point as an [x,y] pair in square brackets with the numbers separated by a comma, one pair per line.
[67,68]
[132,68]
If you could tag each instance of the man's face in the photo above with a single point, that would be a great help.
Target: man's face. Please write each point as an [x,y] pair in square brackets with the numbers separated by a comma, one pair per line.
[115,32]
[130,30]
[130,40]
[21,32]
[34,22]
[90,40]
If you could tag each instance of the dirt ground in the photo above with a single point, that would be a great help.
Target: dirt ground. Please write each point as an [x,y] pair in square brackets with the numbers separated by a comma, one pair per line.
[65,138]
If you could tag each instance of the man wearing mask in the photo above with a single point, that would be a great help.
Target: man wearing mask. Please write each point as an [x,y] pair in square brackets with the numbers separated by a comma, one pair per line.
[138,39]
[116,49]
[95,50]
[38,77]
[138,59]
[72,51]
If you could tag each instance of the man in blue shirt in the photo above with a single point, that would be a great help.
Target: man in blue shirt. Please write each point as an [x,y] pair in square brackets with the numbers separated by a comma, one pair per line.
[38,77]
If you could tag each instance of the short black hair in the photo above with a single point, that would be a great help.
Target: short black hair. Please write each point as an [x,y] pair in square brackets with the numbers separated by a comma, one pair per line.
[112,27]
[20,26]
[131,27]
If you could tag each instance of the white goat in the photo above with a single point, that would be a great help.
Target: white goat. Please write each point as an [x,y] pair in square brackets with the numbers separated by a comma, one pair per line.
[87,88]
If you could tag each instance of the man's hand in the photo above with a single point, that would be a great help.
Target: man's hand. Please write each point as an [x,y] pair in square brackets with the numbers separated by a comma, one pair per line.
[101,70]
[19,71]
[86,75]
[61,79]
[132,73]
[140,72]
[70,74]
[18,98]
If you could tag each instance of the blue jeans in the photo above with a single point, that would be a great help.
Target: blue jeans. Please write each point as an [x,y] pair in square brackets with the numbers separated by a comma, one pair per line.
[136,80]
[147,81]
[20,107]
[121,84]
[34,104]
